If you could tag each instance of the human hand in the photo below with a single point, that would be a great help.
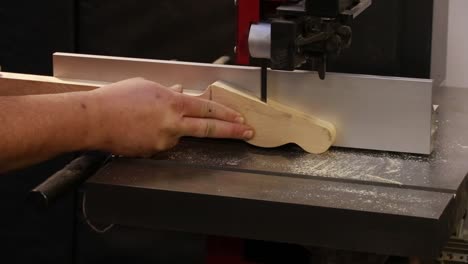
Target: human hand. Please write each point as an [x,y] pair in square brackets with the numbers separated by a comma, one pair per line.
[137,117]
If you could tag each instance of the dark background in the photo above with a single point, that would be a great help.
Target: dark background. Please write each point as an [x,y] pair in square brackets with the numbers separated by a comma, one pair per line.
[392,38]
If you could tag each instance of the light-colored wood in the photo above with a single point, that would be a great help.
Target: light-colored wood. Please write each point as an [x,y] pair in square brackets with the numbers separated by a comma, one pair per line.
[369,112]
[274,124]
[16,84]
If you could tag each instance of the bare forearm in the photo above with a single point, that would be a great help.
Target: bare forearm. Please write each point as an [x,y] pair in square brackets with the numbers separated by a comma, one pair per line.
[38,127]
[134,118]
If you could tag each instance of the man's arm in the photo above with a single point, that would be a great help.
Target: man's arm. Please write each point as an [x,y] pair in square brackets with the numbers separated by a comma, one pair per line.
[133,118]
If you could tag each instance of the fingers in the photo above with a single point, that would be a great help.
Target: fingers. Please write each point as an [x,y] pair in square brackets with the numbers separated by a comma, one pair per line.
[202,108]
[213,128]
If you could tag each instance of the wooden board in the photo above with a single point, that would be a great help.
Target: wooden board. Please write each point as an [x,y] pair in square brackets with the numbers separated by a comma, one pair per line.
[274,124]
[369,112]
[17,84]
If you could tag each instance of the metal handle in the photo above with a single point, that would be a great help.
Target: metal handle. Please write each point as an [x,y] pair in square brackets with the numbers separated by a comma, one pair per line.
[68,178]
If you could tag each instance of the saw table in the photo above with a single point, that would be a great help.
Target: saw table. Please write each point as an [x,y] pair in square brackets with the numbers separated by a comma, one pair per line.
[380,202]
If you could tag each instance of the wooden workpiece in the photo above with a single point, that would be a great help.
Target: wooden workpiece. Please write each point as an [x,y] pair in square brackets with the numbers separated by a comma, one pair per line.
[274,124]
[16,84]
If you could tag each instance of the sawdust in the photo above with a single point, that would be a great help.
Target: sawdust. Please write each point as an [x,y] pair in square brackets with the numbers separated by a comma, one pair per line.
[352,191]
[377,178]
[338,163]
[394,166]
[392,169]
[376,199]
[350,165]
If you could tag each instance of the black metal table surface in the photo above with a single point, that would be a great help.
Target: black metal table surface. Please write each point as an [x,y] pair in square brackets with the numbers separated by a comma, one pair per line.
[389,203]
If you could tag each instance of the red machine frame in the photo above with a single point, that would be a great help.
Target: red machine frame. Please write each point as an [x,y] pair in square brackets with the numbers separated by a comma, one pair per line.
[248,13]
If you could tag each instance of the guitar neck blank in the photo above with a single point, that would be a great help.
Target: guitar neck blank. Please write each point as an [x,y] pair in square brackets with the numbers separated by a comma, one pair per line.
[276,124]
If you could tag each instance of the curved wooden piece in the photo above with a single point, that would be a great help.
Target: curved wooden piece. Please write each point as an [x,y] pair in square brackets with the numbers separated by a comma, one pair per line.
[276,124]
